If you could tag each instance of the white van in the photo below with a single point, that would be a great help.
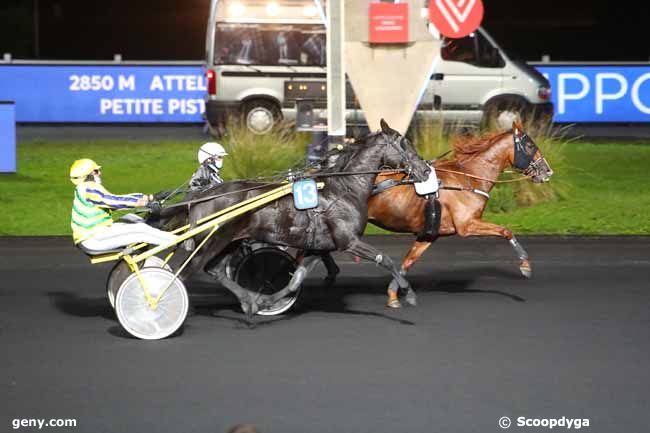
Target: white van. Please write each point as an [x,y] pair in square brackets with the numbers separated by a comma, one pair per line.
[254,49]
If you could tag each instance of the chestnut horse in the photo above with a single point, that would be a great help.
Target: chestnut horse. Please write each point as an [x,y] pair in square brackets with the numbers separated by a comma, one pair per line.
[466,182]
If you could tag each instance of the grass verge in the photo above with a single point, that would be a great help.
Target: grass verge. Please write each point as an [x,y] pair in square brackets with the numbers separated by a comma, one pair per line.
[605,186]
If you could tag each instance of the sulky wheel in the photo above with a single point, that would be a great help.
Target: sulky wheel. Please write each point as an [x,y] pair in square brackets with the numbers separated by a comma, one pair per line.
[268,270]
[142,320]
[121,272]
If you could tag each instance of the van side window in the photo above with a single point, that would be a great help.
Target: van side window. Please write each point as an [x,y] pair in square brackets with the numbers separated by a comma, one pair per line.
[243,46]
[459,50]
[488,54]
[281,47]
[314,50]
[474,49]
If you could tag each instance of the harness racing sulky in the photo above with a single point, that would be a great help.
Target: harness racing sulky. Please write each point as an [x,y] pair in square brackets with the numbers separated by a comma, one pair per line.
[314,210]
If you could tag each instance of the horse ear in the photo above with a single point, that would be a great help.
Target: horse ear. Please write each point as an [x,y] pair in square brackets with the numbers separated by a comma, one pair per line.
[384,127]
[516,126]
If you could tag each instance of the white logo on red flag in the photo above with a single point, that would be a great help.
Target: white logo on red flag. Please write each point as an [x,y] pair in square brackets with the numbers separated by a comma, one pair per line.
[456,18]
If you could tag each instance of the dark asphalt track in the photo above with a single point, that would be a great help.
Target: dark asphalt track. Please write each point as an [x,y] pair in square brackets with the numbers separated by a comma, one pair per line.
[483,343]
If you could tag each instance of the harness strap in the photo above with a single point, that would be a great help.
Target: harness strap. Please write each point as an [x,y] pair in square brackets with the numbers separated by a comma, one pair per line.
[481,192]
[390,183]
[387,184]
[432,217]
[474,190]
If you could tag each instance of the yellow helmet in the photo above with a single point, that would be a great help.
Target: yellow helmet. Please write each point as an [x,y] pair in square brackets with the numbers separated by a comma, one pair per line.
[82,168]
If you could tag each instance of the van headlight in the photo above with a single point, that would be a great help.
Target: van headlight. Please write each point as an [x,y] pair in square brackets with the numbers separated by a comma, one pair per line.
[544,93]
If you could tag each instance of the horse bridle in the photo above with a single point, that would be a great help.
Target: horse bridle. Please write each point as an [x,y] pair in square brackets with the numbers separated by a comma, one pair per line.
[405,164]
[525,150]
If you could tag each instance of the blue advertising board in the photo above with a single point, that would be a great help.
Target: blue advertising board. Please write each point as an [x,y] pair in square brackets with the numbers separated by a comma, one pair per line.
[7,137]
[166,93]
[599,93]
[104,93]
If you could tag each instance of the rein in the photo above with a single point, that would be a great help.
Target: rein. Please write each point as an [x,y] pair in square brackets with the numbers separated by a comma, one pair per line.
[525,150]
[291,176]
[475,190]
[266,185]
[210,197]
[350,173]
[483,178]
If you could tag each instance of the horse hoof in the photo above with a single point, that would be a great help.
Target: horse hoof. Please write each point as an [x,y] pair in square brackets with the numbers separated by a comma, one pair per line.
[329,281]
[262,303]
[411,298]
[250,308]
[394,303]
[526,269]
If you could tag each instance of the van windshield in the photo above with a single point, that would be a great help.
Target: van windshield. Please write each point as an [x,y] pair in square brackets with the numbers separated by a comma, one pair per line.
[270,44]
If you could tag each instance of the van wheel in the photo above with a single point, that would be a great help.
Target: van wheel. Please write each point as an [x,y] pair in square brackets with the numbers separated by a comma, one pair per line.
[501,114]
[260,115]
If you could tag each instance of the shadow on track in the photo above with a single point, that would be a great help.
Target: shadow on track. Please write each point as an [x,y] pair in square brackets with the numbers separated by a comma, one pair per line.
[73,305]
[442,282]
[312,300]
[118,331]
[448,282]
[317,298]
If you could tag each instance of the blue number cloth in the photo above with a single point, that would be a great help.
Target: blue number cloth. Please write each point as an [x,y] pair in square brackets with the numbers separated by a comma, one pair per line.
[305,194]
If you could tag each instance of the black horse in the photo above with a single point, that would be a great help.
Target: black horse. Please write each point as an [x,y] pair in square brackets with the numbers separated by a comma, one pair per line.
[337,223]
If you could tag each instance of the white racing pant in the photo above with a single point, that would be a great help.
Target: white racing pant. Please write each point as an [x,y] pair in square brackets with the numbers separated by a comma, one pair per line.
[120,235]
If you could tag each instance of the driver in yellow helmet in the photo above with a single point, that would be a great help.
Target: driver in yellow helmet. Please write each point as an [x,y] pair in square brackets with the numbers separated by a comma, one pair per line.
[91,222]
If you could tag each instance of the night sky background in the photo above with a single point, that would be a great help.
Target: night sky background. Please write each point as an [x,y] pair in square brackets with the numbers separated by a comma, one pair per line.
[567,30]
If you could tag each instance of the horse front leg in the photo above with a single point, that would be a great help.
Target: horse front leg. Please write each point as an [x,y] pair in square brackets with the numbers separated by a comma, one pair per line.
[328,261]
[251,302]
[483,228]
[247,299]
[332,269]
[417,249]
[368,252]
[299,275]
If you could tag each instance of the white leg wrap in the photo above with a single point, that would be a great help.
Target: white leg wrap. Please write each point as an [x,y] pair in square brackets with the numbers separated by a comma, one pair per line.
[521,252]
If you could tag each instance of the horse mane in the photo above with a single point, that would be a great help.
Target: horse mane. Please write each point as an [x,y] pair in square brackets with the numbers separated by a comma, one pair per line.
[466,146]
[344,155]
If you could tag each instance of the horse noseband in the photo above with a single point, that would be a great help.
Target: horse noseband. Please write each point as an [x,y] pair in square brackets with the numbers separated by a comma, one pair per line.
[536,167]
[525,150]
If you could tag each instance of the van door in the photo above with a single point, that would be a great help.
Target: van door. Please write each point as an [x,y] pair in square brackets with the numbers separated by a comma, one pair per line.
[472,70]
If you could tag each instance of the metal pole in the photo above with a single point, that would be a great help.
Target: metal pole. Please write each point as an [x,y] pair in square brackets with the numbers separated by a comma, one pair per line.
[335,72]
[37,48]
[210,32]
